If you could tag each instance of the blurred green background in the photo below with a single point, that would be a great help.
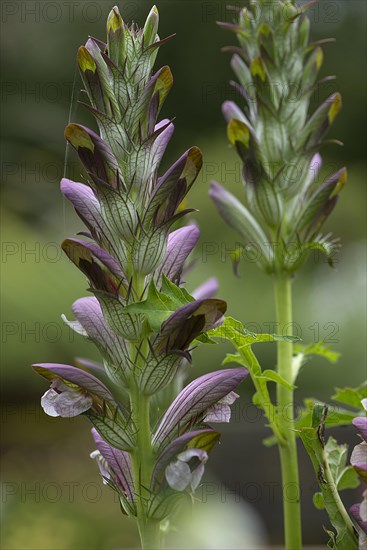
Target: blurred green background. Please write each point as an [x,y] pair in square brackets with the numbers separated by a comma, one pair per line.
[52,496]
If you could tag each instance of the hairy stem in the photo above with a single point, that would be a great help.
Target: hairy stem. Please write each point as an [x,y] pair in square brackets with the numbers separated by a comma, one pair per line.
[288,449]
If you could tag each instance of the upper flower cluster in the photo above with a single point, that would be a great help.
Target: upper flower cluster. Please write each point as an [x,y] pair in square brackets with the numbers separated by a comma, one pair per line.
[277,138]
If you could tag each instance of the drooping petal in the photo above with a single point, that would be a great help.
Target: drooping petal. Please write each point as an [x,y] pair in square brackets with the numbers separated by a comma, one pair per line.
[207,290]
[119,461]
[62,400]
[102,465]
[179,474]
[193,401]
[205,439]
[221,411]
[76,376]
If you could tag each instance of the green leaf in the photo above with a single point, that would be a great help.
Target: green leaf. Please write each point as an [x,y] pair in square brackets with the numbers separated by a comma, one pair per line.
[348,479]
[233,358]
[234,331]
[317,348]
[336,415]
[351,396]
[318,501]
[274,376]
[160,305]
[329,462]
[204,339]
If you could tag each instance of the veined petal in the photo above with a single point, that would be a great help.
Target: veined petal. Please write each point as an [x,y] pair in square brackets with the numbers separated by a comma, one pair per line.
[85,203]
[180,244]
[161,141]
[191,404]
[78,377]
[119,462]
[89,314]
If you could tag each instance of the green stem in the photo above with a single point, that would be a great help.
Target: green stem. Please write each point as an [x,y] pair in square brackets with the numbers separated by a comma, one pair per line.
[285,399]
[142,464]
[150,535]
[142,459]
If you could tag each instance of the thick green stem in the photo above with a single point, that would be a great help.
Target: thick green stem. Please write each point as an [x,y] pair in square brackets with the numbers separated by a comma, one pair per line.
[142,463]
[150,535]
[142,458]
[285,399]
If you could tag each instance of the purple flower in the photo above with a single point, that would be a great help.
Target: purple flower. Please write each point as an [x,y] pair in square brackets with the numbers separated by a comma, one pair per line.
[73,391]
[195,401]
[115,464]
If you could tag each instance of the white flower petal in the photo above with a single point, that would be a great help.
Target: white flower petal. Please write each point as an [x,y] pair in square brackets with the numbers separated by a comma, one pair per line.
[72,403]
[196,476]
[218,413]
[178,475]
[359,454]
[187,455]
[48,402]
[75,326]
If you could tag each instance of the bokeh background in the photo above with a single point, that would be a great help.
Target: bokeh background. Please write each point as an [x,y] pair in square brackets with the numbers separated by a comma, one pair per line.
[52,496]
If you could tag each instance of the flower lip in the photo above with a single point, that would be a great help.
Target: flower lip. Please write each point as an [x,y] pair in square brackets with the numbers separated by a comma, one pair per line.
[62,400]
